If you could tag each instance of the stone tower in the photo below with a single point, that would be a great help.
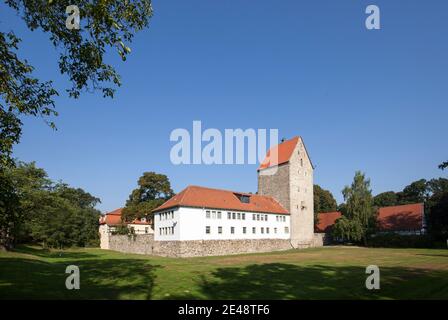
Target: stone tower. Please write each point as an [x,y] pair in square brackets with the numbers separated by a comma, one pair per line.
[287,175]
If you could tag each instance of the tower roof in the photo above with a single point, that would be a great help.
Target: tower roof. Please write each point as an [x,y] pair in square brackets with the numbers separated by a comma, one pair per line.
[284,152]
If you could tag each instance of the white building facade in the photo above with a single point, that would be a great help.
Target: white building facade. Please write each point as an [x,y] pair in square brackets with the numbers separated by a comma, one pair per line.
[188,223]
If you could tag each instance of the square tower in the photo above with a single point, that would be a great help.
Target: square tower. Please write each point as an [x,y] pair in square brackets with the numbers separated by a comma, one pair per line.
[287,175]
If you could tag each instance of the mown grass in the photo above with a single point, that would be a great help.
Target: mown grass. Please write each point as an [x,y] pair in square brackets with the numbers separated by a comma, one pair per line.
[320,273]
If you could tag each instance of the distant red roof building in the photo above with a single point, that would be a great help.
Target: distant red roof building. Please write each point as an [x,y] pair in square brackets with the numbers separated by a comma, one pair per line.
[327,220]
[113,218]
[201,197]
[408,217]
[403,218]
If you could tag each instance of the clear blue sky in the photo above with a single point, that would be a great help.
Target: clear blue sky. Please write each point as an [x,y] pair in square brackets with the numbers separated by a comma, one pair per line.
[374,101]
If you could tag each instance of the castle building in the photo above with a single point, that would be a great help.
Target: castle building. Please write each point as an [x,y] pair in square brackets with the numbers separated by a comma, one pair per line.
[281,209]
[205,221]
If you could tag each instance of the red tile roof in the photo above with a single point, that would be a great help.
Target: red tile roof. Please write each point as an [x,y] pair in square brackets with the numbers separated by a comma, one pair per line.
[401,218]
[327,220]
[200,197]
[114,218]
[283,150]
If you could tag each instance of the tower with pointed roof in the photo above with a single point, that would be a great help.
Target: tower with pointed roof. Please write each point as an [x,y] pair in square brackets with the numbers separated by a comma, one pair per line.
[287,175]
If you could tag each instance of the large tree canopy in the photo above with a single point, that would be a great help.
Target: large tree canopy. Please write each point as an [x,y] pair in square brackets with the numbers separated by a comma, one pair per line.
[103,24]
[153,190]
[56,214]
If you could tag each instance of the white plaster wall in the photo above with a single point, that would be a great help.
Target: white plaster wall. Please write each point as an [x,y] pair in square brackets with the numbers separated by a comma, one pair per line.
[191,225]
[140,228]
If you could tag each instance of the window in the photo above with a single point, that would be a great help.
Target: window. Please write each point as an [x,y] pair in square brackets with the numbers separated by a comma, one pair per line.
[262,230]
[229,215]
[219,214]
[275,230]
[243,198]
[243,216]
[262,217]
[258,217]
[233,215]
[254,230]
[267,230]
[146,229]
[232,230]
[160,231]
[244,230]
[253,217]
[214,214]
[239,216]
[286,230]
[220,230]
[207,214]
[301,162]
[265,217]
[207,229]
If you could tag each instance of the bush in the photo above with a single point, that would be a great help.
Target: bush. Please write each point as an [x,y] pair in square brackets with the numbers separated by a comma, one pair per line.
[403,241]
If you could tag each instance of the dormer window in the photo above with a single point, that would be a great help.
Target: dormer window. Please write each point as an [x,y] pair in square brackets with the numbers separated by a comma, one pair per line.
[243,198]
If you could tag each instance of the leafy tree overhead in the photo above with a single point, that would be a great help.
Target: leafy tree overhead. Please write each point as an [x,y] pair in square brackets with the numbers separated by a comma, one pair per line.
[443,165]
[103,25]
[359,218]
[153,190]
[385,199]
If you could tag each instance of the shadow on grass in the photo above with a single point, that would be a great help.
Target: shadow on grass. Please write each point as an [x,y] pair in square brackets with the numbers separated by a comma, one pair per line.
[287,281]
[54,253]
[99,279]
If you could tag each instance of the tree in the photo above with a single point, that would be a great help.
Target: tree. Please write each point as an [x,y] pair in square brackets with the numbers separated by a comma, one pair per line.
[323,202]
[347,229]
[437,216]
[443,165]
[153,190]
[10,215]
[385,199]
[359,218]
[104,24]
[417,191]
[56,214]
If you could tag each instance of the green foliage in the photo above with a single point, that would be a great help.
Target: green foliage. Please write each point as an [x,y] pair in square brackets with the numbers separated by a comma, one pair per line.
[10,215]
[437,216]
[122,230]
[385,199]
[323,202]
[347,229]
[416,192]
[392,240]
[153,190]
[54,214]
[443,165]
[359,217]
[105,24]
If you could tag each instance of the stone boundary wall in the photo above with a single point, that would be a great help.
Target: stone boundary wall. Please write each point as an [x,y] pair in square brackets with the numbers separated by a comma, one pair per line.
[145,244]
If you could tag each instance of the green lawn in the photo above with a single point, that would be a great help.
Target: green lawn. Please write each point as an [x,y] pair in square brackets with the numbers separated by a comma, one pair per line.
[321,273]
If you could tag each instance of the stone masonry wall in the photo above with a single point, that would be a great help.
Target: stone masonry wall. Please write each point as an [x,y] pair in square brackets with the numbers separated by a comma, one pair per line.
[145,244]
[274,182]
